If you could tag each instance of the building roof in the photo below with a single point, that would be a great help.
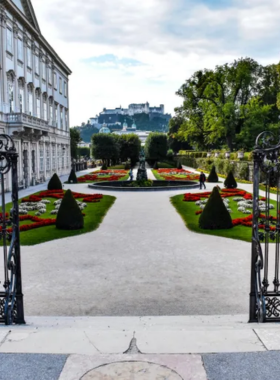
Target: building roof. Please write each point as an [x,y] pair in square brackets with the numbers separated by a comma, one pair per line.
[104,130]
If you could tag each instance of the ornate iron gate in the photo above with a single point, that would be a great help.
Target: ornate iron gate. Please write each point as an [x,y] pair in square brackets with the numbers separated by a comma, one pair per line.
[265,283]
[11,298]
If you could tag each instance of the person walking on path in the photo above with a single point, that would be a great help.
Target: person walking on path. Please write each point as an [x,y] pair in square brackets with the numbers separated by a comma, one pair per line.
[202,179]
[131,174]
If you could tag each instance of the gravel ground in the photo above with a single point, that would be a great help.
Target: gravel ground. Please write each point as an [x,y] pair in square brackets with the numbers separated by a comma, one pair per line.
[31,366]
[243,366]
[141,261]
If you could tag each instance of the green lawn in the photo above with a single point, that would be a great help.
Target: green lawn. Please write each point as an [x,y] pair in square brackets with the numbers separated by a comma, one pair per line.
[158,177]
[187,211]
[94,214]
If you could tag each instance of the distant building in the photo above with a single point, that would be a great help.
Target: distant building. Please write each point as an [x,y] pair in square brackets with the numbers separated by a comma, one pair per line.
[104,129]
[113,116]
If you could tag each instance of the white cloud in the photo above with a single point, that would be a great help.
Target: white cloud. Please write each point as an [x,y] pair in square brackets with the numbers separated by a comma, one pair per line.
[171,38]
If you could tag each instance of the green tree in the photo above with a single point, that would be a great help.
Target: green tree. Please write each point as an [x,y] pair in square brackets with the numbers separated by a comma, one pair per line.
[156,146]
[84,151]
[174,141]
[75,139]
[105,147]
[219,105]
[130,146]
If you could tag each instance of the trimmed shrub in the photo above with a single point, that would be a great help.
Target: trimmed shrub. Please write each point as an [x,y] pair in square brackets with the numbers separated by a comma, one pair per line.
[127,166]
[55,183]
[213,175]
[215,214]
[179,165]
[230,182]
[72,177]
[155,165]
[69,216]
[104,167]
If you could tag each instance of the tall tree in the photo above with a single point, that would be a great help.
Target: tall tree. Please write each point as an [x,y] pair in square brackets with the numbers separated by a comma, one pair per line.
[130,146]
[156,146]
[75,139]
[218,104]
[105,147]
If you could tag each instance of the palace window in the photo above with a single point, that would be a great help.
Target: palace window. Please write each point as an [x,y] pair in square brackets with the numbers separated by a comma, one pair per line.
[37,70]
[45,107]
[60,85]
[56,116]
[9,40]
[61,118]
[11,93]
[66,120]
[65,89]
[30,99]
[44,70]
[38,104]
[62,156]
[21,95]
[58,156]
[53,157]
[48,157]
[55,80]
[51,110]
[20,50]
[29,57]
[41,157]
[50,76]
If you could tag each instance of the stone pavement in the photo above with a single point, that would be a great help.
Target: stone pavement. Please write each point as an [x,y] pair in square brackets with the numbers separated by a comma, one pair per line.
[107,348]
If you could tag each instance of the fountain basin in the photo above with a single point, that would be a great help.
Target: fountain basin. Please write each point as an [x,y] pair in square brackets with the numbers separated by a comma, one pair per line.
[157,186]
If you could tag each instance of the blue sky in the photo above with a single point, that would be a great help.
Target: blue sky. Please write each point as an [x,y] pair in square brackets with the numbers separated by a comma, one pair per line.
[128,52]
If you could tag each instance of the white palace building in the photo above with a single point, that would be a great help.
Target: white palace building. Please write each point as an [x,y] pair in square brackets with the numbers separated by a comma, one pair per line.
[34,108]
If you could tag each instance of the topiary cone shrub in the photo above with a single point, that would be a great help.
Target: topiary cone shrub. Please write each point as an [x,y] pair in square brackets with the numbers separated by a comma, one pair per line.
[72,177]
[54,183]
[179,165]
[230,182]
[104,167]
[69,216]
[215,215]
[213,175]
[156,165]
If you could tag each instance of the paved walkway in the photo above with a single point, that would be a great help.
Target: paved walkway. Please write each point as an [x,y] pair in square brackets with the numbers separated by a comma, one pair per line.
[142,260]
[173,348]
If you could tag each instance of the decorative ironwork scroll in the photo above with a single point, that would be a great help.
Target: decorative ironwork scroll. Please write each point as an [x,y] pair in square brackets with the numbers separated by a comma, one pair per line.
[11,298]
[265,261]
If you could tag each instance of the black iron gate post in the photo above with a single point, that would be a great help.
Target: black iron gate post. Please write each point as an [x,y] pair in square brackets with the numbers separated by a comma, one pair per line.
[264,301]
[11,299]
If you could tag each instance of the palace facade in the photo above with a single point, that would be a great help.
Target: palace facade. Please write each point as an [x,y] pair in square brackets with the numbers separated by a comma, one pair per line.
[34,96]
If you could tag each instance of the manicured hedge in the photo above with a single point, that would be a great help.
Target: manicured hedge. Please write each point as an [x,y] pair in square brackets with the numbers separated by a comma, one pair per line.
[215,214]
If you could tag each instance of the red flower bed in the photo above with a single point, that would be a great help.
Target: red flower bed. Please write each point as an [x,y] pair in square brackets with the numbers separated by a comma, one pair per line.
[177,171]
[115,176]
[59,194]
[225,193]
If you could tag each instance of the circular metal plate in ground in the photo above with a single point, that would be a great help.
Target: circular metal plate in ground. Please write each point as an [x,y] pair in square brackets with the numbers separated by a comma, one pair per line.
[132,370]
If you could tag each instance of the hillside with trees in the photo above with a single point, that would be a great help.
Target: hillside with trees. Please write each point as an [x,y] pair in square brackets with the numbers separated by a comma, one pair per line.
[143,123]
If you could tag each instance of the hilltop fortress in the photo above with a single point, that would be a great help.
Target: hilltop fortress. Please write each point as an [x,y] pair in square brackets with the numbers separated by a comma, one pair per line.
[113,116]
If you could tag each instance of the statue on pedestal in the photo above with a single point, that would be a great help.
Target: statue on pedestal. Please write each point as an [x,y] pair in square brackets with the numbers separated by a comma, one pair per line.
[142,172]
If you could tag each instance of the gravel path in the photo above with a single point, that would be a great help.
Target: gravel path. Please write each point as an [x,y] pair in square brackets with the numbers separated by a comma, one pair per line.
[141,261]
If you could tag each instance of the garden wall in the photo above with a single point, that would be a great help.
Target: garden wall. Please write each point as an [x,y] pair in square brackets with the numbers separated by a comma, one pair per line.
[241,169]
